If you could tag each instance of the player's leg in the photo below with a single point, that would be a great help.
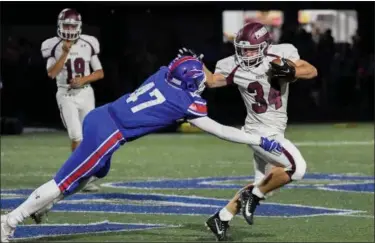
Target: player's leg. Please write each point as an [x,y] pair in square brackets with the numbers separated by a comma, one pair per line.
[70,117]
[101,140]
[289,166]
[37,205]
[219,222]
[261,168]
[226,214]
[38,199]
[98,173]
[40,214]
[86,101]
[75,103]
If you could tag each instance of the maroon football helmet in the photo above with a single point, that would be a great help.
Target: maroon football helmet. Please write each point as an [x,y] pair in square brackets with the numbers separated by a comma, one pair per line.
[251,44]
[69,24]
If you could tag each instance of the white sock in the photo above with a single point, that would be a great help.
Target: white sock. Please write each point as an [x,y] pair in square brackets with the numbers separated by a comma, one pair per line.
[225,215]
[49,206]
[40,198]
[83,183]
[257,192]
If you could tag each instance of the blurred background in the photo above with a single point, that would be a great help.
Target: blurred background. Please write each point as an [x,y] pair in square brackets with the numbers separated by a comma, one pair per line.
[138,37]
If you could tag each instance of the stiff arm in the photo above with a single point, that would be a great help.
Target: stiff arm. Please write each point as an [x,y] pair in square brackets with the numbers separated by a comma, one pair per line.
[225,132]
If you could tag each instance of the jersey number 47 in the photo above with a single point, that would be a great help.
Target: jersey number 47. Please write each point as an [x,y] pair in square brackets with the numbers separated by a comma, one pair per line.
[156,97]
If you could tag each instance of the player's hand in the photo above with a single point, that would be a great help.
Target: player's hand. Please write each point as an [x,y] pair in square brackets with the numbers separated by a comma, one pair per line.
[271,146]
[67,45]
[77,82]
[229,37]
[189,52]
[284,70]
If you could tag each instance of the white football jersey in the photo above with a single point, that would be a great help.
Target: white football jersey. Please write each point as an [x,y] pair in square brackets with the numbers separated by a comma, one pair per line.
[266,103]
[82,54]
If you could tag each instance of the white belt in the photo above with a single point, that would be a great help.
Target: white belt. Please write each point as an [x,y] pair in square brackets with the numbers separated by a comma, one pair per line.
[71,91]
[67,87]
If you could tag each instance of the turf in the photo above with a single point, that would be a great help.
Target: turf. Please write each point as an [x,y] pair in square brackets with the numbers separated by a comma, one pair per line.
[31,159]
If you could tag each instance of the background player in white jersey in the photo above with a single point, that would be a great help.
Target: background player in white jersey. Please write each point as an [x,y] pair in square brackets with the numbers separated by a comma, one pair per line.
[69,57]
[264,86]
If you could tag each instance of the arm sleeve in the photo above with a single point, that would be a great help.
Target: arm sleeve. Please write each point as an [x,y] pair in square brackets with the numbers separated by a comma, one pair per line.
[225,132]
[95,63]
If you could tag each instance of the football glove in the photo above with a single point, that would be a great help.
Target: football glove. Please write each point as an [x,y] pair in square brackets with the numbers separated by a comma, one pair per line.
[271,146]
[189,52]
[284,70]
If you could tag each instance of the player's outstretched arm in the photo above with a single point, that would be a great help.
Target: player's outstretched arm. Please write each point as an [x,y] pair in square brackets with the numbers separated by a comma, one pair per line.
[305,70]
[235,135]
[225,132]
[214,80]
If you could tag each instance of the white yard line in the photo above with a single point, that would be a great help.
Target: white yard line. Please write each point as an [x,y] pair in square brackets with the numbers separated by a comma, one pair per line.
[332,143]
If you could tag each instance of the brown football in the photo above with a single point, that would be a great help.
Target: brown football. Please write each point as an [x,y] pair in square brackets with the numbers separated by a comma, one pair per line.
[278,62]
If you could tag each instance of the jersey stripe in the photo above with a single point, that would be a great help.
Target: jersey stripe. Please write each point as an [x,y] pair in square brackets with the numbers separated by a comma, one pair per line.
[91,161]
[184,59]
[230,77]
[197,113]
[198,108]
[200,102]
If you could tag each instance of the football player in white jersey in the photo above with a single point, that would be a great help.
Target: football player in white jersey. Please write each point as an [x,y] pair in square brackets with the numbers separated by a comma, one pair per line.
[264,87]
[69,56]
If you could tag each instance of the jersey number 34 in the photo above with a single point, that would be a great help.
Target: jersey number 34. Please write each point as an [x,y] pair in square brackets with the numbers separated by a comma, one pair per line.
[158,97]
[274,97]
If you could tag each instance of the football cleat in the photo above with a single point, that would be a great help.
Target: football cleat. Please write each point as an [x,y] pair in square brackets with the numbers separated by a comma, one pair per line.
[218,227]
[37,217]
[90,187]
[249,202]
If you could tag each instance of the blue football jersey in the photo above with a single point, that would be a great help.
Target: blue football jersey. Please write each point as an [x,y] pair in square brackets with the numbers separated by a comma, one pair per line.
[154,105]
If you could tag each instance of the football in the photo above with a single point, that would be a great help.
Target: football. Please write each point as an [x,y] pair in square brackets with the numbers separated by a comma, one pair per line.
[278,62]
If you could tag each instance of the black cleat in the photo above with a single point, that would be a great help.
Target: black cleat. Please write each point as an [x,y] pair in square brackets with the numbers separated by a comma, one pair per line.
[218,227]
[249,202]
[37,218]
[90,188]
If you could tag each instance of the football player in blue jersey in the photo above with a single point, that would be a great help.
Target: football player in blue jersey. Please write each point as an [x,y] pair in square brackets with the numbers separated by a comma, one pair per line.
[170,94]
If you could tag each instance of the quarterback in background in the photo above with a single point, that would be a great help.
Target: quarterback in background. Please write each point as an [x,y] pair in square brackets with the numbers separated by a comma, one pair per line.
[262,72]
[69,57]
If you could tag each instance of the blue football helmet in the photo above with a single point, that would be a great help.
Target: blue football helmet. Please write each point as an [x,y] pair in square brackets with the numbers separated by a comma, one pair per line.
[187,73]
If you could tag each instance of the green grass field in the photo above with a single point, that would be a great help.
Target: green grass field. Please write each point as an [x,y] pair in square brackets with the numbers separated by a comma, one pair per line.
[29,160]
